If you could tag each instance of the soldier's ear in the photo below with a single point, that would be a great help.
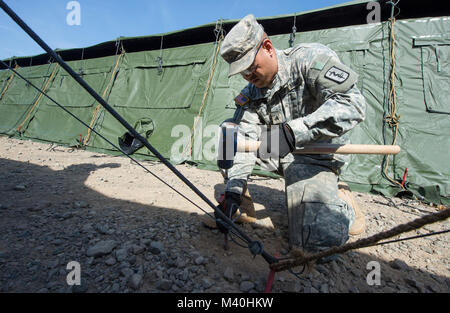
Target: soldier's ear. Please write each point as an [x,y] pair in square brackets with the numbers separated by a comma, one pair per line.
[268,46]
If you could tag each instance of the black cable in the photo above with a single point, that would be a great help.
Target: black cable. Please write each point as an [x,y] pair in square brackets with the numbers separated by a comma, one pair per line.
[409,238]
[121,120]
[269,258]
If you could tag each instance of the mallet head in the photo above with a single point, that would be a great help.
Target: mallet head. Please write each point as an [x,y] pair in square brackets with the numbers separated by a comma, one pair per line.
[227,145]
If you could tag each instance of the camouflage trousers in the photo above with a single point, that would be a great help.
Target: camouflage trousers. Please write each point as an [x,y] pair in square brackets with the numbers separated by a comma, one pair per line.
[318,218]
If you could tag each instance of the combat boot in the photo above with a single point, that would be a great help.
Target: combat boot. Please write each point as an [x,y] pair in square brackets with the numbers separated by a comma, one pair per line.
[359,225]
[247,205]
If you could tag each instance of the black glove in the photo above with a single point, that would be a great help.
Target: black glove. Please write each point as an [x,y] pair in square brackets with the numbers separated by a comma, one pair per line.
[286,142]
[229,206]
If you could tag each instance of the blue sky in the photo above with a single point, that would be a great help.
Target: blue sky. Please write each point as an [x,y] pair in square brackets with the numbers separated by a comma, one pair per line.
[104,20]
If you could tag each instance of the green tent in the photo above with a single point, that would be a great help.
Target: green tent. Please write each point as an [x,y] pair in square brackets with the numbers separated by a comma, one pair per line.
[174,86]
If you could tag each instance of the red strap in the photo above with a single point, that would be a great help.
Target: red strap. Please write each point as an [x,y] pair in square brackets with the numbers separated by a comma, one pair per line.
[271,277]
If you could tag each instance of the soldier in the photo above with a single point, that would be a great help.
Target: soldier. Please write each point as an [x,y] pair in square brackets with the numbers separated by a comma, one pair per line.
[299,95]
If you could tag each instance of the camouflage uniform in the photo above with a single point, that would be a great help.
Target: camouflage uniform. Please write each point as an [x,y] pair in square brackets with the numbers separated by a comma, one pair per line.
[316,95]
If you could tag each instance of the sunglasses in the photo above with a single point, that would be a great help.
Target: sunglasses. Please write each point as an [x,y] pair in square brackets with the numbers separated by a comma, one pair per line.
[253,67]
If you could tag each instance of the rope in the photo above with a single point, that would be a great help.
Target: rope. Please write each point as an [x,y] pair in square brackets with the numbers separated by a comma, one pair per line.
[39,98]
[304,258]
[294,30]
[219,37]
[9,82]
[393,119]
[98,107]
[160,58]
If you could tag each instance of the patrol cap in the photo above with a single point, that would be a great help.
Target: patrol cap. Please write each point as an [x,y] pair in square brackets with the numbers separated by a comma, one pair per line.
[240,45]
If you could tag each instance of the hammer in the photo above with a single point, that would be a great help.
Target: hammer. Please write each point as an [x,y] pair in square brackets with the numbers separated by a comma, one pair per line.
[229,145]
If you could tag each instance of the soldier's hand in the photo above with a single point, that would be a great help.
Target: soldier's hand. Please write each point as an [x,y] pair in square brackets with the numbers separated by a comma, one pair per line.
[285,140]
[229,206]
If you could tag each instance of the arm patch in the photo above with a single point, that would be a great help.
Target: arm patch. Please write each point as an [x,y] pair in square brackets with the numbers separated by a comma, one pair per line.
[241,100]
[336,77]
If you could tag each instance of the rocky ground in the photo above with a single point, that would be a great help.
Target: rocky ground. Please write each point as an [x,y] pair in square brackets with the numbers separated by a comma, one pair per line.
[131,233]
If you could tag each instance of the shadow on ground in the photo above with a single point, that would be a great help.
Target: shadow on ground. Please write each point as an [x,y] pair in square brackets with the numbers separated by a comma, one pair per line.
[49,218]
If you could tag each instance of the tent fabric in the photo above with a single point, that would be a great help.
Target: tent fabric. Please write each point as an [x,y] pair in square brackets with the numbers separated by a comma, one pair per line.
[171,95]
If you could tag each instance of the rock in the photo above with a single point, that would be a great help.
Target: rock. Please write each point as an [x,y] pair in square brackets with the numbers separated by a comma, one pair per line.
[335,267]
[156,247]
[66,215]
[20,187]
[322,269]
[34,208]
[132,259]
[80,205]
[102,229]
[260,285]
[164,285]
[324,288]
[115,288]
[244,277]
[228,274]
[206,283]
[126,272]
[180,263]
[414,283]
[101,248]
[79,288]
[399,265]
[432,288]
[246,286]
[110,261]
[200,260]
[137,249]
[427,249]
[135,281]
[87,228]
[121,254]
[185,275]
[291,286]
[53,263]
[2,254]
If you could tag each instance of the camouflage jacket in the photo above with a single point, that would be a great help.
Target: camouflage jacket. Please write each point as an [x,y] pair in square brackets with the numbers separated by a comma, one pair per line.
[313,92]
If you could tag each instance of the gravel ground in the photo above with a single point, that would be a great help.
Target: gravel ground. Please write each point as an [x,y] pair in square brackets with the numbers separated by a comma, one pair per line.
[131,233]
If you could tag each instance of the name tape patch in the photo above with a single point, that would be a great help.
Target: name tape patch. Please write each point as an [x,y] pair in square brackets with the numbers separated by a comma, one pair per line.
[337,75]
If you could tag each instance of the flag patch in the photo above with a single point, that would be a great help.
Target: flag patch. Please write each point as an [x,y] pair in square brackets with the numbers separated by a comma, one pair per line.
[241,99]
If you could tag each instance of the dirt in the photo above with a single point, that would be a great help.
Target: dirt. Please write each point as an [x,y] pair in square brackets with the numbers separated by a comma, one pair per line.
[57,203]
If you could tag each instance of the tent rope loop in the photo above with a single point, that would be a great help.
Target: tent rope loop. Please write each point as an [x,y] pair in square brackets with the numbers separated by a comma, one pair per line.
[105,92]
[50,79]
[220,34]
[160,58]
[294,30]
[8,83]
[392,119]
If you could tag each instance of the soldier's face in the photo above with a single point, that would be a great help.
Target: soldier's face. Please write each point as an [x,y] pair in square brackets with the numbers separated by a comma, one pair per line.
[263,70]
